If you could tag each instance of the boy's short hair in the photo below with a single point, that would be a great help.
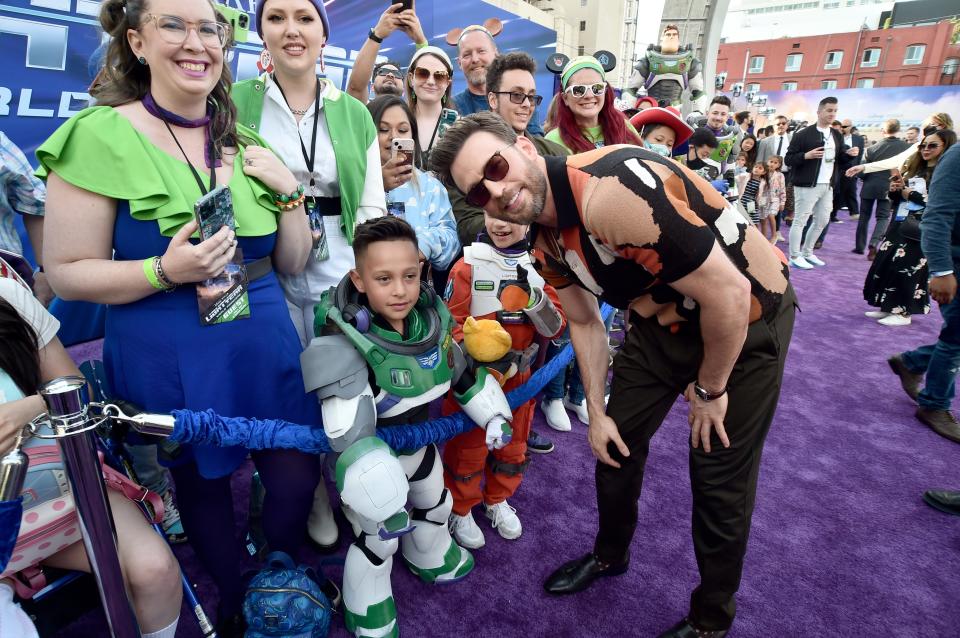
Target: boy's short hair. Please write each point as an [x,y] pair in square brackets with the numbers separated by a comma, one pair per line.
[386,228]
[704,137]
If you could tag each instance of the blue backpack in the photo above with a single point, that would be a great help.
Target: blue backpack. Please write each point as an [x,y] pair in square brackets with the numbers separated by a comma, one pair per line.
[285,600]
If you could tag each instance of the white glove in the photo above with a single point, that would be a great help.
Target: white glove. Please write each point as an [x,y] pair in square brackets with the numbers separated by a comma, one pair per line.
[499,433]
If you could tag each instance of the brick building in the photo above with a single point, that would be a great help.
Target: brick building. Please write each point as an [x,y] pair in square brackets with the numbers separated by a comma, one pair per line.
[902,56]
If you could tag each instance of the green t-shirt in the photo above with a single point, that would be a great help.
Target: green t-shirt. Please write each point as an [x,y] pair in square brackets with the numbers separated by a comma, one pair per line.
[100,151]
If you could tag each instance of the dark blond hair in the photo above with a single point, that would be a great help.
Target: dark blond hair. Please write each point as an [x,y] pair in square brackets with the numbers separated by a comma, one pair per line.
[123,79]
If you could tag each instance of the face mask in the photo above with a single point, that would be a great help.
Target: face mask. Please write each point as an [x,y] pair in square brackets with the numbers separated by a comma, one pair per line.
[659,149]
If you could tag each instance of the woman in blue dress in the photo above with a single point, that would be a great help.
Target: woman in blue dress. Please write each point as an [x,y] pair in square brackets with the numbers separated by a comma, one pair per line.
[122,180]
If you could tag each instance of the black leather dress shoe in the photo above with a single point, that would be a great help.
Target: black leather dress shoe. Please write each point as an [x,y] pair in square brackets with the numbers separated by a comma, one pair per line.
[685,629]
[947,501]
[578,574]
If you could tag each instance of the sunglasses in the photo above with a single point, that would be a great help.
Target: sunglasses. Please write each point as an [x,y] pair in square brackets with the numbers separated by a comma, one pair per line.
[929,146]
[580,90]
[423,75]
[494,170]
[518,98]
[395,74]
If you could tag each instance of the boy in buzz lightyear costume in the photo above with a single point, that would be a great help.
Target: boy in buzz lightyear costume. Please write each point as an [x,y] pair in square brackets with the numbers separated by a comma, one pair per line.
[382,353]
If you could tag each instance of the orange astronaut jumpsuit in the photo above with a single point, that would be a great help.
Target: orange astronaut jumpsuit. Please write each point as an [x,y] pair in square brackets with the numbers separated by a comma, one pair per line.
[465,457]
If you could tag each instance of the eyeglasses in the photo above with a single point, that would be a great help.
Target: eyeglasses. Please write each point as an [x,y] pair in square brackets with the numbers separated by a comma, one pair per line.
[930,146]
[423,75]
[846,127]
[580,90]
[494,170]
[518,98]
[174,30]
[384,72]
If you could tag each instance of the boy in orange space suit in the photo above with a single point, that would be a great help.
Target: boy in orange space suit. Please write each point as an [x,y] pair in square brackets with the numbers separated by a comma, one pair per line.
[495,280]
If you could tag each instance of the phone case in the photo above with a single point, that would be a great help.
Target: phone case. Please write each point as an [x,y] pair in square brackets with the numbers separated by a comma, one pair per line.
[214,211]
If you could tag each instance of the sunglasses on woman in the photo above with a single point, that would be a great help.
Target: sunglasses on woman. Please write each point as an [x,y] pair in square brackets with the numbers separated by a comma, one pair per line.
[580,90]
[929,146]
[423,75]
[494,170]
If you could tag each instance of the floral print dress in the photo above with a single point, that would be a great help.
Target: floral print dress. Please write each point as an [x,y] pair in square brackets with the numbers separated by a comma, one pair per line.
[897,279]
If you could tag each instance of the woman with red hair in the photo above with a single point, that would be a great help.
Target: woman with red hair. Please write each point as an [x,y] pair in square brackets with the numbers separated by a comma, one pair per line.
[586,115]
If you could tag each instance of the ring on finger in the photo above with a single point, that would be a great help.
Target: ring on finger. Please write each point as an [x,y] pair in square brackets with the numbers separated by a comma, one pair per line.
[247,161]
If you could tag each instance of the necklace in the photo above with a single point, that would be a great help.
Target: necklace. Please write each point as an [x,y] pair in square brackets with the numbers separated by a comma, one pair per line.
[161,113]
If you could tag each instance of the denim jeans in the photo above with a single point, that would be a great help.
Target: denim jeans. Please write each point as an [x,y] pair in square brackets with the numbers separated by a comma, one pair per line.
[940,361]
[555,388]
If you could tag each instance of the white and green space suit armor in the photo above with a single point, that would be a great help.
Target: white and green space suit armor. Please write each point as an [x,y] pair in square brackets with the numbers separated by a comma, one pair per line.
[366,375]
[666,75]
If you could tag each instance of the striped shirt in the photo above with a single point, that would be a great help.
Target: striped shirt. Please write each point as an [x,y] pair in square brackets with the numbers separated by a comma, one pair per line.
[20,192]
[750,195]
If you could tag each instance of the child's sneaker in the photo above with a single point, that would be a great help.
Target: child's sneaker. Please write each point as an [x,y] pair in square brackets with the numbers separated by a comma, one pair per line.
[539,444]
[504,520]
[171,524]
[466,531]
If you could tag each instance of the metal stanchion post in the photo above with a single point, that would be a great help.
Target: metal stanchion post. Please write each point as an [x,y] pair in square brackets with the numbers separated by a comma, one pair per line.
[67,406]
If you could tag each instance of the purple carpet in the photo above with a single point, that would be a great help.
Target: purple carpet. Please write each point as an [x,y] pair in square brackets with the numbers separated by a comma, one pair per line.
[842,544]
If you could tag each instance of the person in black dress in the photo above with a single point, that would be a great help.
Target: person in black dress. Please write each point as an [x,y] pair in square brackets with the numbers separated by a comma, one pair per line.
[896,283]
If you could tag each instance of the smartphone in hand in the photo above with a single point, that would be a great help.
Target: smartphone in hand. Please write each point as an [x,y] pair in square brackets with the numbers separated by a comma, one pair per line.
[406,4]
[404,148]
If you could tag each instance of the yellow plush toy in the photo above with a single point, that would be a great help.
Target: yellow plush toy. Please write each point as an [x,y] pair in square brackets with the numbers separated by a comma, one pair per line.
[487,342]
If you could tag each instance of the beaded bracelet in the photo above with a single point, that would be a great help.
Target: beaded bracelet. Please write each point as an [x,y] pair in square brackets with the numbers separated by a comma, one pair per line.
[294,203]
[296,196]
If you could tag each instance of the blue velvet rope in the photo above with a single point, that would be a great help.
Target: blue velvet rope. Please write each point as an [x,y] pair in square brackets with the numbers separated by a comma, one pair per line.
[209,428]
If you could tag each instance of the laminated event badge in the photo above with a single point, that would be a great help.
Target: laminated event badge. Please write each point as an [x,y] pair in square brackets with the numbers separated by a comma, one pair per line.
[321,251]
[222,298]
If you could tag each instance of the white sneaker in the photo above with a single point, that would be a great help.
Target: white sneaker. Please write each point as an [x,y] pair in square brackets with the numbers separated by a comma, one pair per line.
[780,237]
[813,259]
[556,416]
[504,520]
[876,314]
[801,263]
[578,409]
[466,531]
[895,320]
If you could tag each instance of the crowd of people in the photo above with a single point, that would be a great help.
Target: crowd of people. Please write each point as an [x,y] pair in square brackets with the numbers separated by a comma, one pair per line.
[375,222]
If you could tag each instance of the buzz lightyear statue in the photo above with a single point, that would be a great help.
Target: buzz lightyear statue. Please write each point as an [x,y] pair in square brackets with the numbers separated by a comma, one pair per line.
[366,377]
[667,70]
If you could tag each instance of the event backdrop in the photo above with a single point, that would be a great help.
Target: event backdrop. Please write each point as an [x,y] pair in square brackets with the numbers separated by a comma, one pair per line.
[48,46]
[868,108]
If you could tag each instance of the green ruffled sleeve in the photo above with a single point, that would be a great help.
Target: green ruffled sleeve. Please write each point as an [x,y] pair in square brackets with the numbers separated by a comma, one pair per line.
[100,151]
